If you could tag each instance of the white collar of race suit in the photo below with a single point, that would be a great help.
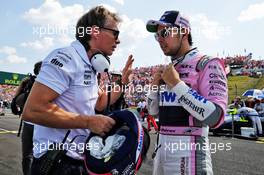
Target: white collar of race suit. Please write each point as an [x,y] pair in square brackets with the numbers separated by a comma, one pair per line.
[187,56]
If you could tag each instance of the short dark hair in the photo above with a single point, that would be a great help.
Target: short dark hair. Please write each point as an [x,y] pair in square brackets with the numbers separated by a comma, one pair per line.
[190,39]
[96,16]
[37,67]
[188,35]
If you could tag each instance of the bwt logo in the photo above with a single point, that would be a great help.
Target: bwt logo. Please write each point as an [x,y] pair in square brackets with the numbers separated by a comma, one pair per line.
[168,96]
[197,96]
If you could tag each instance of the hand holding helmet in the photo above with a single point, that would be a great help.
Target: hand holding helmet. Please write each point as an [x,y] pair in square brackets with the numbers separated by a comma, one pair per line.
[100,124]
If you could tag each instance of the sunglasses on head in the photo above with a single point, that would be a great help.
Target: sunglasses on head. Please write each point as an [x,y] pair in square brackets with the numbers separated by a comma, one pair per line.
[115,32]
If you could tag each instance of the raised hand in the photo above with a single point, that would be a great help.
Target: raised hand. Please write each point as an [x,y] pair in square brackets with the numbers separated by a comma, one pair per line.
[170,76]
[127,70]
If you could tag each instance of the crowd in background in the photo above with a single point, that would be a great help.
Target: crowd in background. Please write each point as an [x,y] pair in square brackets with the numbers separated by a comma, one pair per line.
[140,79]
[245,61]
[142,76]
[244,65]
[7,93]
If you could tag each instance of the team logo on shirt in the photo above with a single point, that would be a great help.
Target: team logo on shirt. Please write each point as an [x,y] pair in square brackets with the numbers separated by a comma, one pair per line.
[214,67]
[217,88]
[64,54]
[197,96]
[184,75]
[87,76]
[219,82]
[87,82]
[193,106]
[214,75]
[56,62]
[190,130]
[168,96]
[216,94]
[186,66]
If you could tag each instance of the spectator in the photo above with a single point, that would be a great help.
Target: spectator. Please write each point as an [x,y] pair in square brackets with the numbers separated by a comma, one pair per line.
[237,103]
[27,131]
[259,107]
[254,117]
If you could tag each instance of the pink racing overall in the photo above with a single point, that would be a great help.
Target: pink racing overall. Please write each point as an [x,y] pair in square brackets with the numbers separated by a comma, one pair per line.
[185,114]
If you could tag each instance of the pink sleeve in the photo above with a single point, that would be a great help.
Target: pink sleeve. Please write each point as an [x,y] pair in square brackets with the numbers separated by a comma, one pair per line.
[213,85]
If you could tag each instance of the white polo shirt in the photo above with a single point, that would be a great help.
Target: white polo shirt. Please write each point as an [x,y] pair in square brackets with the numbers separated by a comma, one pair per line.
[69,72]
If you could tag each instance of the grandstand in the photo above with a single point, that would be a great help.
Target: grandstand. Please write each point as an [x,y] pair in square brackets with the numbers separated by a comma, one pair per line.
[244,65]
[141,76]
[8,84]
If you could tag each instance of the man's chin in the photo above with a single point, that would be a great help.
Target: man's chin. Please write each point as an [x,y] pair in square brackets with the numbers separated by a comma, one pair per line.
[166,53]
[109,53]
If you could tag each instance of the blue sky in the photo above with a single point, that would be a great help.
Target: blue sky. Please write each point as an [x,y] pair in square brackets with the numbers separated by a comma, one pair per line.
[222,28]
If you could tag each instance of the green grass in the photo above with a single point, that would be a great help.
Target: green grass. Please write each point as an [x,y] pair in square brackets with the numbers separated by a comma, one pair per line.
[237,85]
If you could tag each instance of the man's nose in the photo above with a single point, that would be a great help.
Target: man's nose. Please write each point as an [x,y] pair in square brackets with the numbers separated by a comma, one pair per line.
[160,39]
[117,41]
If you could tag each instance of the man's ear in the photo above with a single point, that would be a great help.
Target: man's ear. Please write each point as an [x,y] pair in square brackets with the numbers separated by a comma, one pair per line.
[94,32]
[184,32]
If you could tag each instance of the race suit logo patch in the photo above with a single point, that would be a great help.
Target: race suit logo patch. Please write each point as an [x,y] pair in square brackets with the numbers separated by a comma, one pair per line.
[217,88]
[215,94]
[190,130]
[184,75]
[184,165]
[216,76]
[168,96]
[189,103]
[221,83]
[185,66]
[197,96]
[214,67]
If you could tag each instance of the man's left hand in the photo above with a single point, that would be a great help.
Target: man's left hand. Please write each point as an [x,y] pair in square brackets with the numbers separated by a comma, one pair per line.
[127,70]
[171,76]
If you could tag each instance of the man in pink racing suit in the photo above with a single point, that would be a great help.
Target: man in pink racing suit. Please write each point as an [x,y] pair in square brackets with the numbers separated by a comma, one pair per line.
[191,97]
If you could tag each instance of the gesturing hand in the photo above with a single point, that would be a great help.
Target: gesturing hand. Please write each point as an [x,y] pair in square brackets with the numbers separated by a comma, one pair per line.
[127,70]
